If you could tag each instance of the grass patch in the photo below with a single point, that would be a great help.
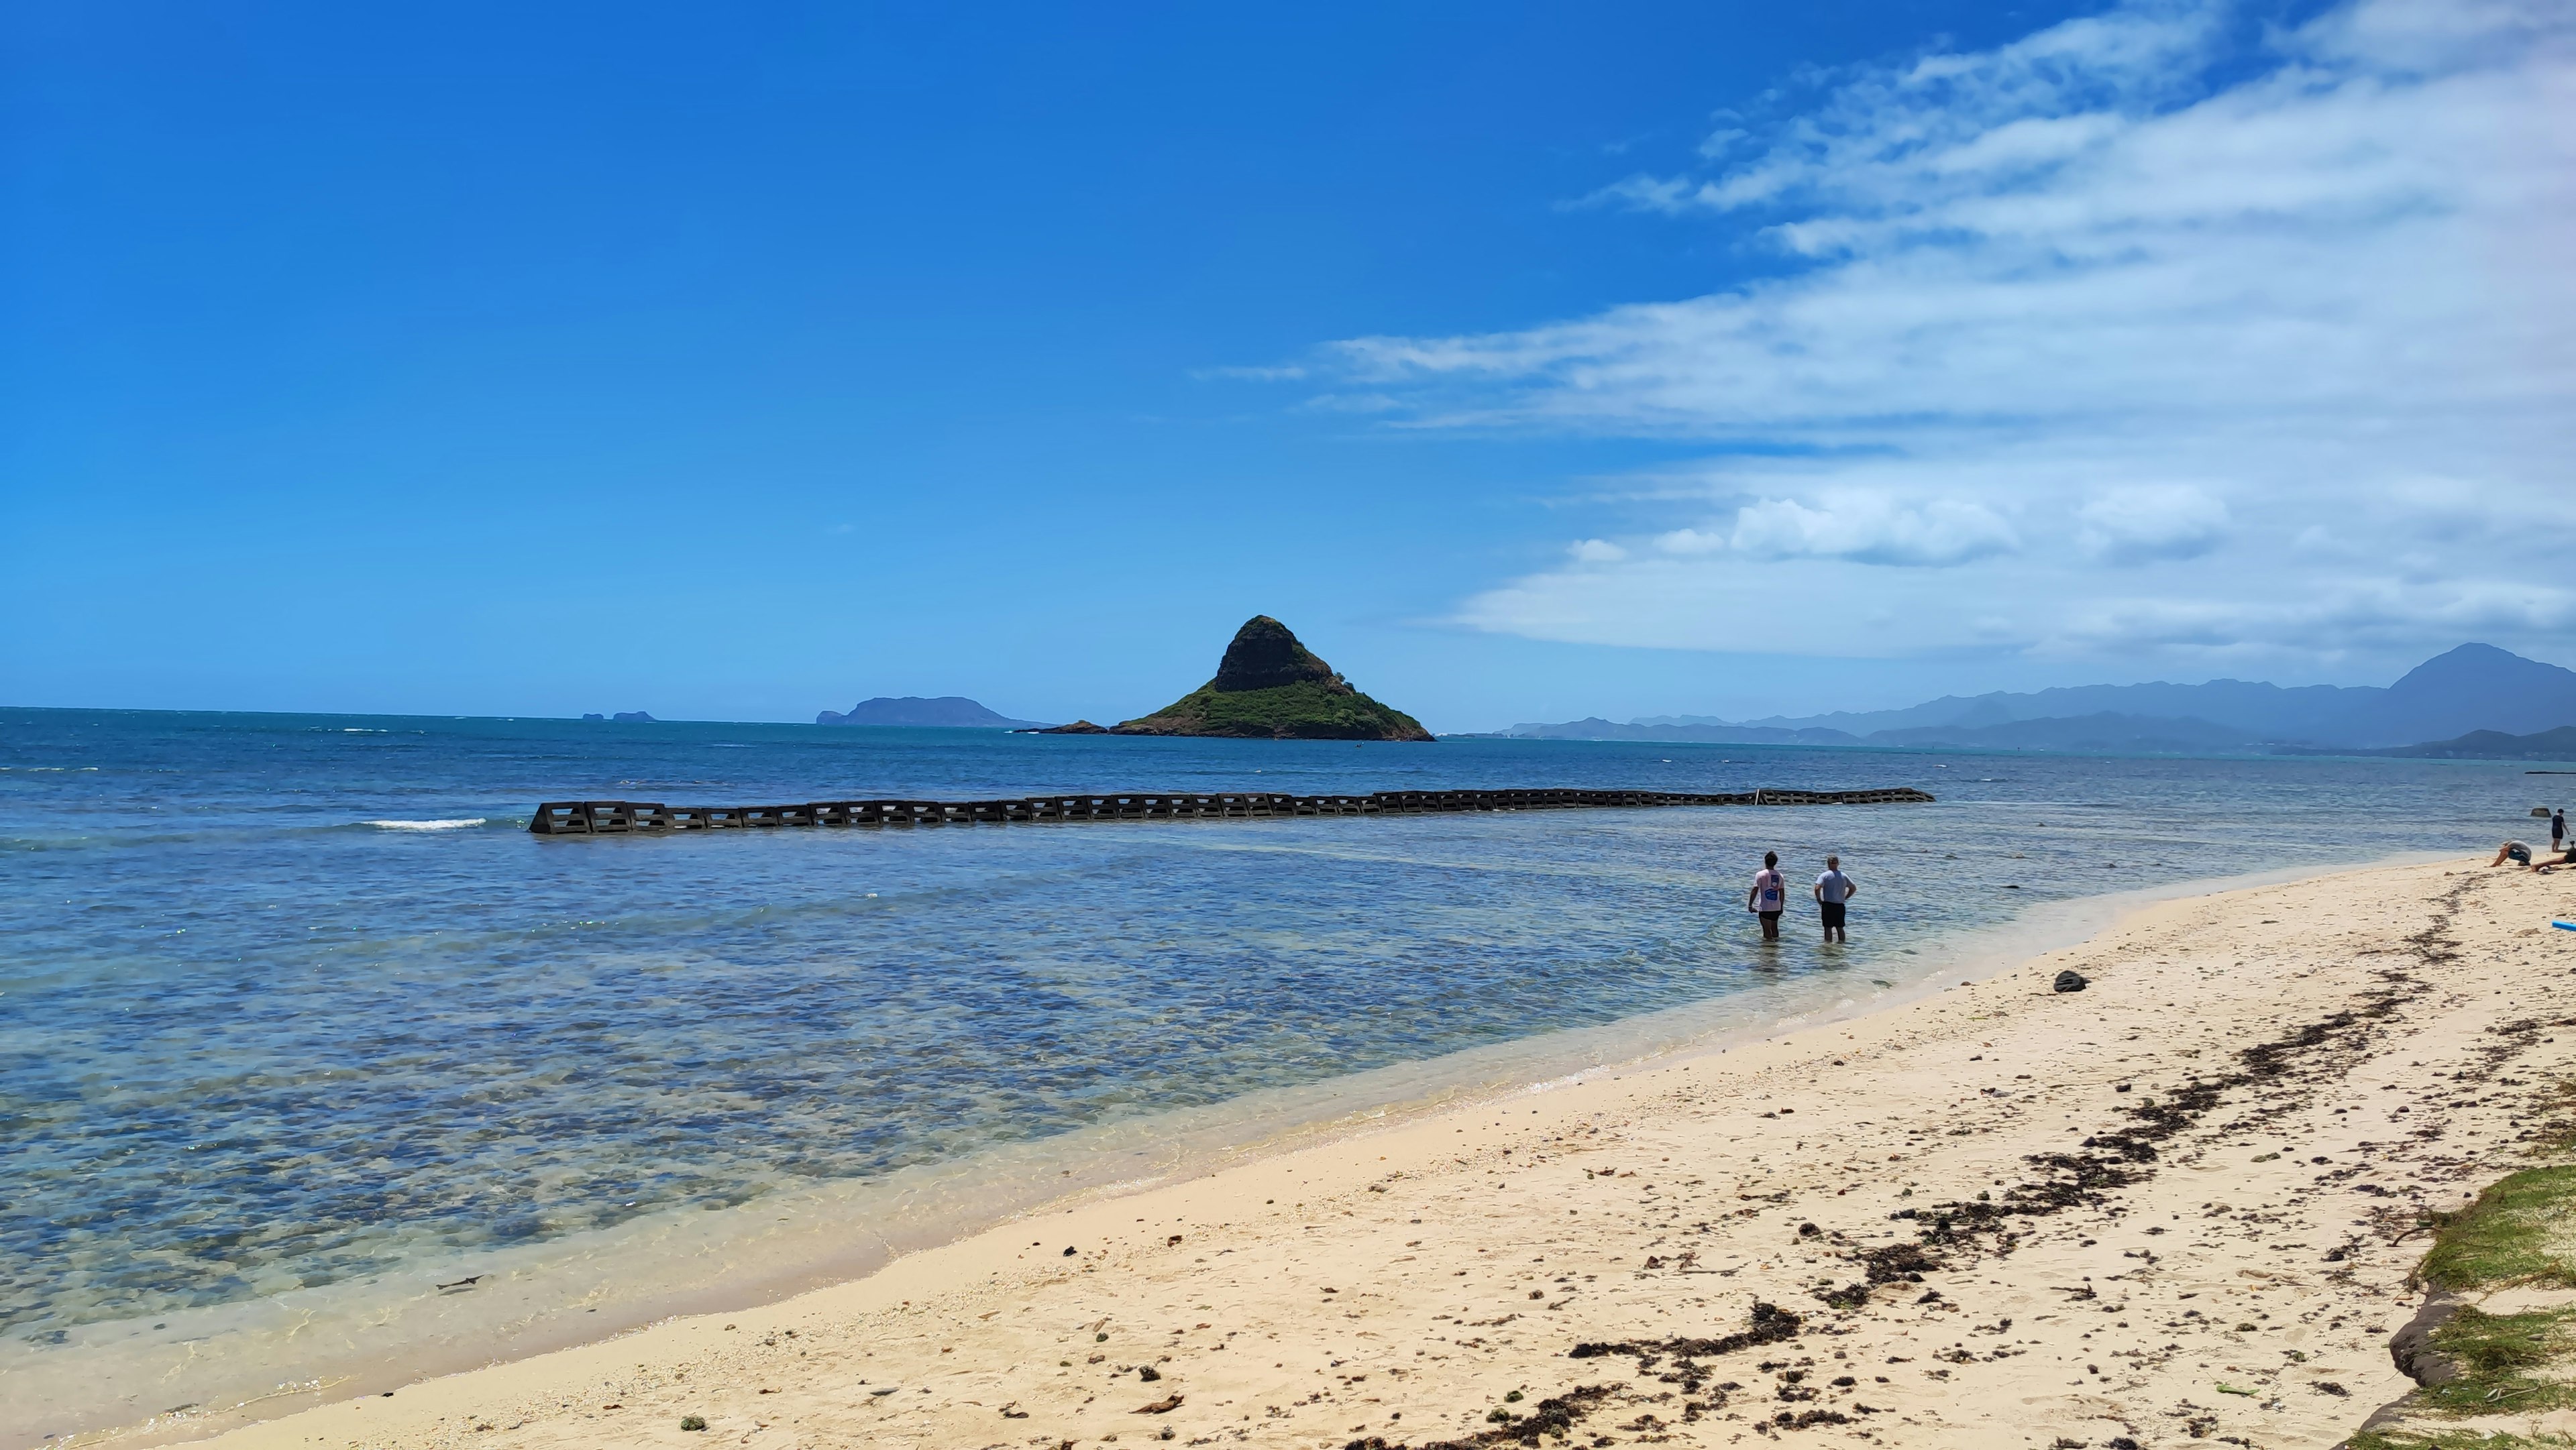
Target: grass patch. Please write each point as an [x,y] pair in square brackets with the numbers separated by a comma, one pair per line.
[2401,1439]
[2497,1353]
[2518,1232]
[2556,1135]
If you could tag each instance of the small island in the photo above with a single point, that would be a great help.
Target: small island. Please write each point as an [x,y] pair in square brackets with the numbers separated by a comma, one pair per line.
[1270,687]
[954,712]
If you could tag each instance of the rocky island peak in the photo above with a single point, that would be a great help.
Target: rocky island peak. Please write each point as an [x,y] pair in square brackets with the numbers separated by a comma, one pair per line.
[1270,686]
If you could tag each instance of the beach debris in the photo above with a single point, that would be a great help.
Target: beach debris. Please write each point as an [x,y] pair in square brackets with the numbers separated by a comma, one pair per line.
[2070,980]
[1847,1298]
[1894,1262]
[693,1422]
[1163,1406]
[1148,1373]
[1069,1251]
[1771,1324]
[1552,1419]
[468,1282]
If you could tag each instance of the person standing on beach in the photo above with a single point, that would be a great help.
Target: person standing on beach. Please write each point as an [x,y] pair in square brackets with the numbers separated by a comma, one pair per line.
[2558,831]
[1770,895]
[1833,889]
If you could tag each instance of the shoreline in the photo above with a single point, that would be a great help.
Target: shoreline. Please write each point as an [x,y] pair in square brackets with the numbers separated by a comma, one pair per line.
[1439,1090]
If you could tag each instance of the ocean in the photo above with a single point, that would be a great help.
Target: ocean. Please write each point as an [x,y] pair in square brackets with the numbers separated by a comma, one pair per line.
[298,1024]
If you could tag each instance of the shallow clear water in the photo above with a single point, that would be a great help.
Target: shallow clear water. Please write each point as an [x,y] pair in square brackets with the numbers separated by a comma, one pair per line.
[291,1000]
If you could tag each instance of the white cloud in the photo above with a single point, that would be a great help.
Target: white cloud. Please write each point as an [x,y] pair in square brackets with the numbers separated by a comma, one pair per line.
[2325,282]
[2143,523]
[1691,541]
[1596,551]
[1280,374]
[1871,529]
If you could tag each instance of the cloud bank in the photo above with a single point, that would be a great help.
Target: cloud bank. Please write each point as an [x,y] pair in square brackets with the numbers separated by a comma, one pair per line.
[2131,337]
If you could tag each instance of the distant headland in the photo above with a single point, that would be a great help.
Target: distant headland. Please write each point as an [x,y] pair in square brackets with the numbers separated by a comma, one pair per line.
[945,711]
[1269,687]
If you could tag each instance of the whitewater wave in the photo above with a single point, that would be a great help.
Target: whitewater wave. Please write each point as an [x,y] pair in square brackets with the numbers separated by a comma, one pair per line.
[454,825]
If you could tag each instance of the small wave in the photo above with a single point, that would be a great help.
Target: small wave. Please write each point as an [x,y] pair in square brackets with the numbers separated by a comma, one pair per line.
[455,825]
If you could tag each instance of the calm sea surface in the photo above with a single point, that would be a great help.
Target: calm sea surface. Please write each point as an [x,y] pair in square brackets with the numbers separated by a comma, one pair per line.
[289,1002]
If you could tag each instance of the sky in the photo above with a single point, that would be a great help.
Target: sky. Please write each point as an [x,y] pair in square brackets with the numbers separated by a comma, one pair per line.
[1531,361]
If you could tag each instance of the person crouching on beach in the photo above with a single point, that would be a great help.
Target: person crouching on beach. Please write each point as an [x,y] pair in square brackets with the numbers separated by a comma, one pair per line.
[2514,851]
[1770,895]
[1833,890]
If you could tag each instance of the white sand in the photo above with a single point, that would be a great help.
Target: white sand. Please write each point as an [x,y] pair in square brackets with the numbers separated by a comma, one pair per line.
[1402,1284]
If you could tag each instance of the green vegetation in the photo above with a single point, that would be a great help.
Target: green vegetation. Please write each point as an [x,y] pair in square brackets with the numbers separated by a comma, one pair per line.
[2496,1354]
[2556,1135]
[2518,1232]
[1306,710]
[1270,687]
[2455,1440]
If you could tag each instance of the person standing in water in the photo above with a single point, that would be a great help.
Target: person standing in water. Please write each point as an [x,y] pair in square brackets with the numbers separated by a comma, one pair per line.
[1833,889]
[1770,895]
[2558,830]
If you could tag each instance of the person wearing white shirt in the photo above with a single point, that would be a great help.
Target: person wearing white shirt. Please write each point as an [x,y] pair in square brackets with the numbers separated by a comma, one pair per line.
[1833,890]
[1770,895]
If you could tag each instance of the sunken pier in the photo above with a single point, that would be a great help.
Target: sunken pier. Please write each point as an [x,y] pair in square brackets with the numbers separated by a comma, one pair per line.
[644,818]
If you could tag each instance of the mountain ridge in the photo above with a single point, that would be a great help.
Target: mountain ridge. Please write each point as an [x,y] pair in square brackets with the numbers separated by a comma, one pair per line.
[2471,687]
[2557,744]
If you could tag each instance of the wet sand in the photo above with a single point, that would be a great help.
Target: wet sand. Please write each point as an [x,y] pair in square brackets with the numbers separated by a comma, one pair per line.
[2180,1204]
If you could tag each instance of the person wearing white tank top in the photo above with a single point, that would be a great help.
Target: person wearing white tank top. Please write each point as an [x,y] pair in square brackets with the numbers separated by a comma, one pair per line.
[1770,895]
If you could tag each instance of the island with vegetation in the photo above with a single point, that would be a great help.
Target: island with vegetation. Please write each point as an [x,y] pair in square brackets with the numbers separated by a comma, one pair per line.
[1270,687]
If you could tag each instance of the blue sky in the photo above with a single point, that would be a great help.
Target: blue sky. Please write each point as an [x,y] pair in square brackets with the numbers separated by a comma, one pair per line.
[1531,361]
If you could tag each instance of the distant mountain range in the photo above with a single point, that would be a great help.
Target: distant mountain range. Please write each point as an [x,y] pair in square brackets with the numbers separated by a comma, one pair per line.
[2447,699]
[948,711]
[2558,744]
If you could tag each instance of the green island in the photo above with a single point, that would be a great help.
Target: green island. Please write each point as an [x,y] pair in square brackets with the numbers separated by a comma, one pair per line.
[1270,687]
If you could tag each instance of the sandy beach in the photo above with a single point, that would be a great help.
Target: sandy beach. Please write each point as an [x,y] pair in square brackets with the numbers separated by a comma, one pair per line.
[2181,1204]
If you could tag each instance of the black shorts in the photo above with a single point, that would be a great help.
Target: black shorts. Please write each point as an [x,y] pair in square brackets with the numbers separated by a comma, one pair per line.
[1833,912]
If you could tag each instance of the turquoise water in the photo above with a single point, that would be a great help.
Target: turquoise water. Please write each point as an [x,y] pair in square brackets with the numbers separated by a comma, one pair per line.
[292,1001]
